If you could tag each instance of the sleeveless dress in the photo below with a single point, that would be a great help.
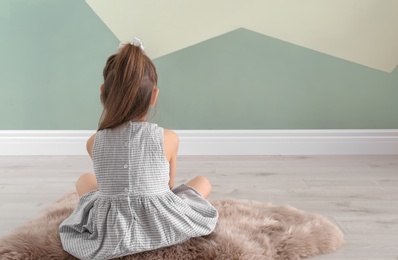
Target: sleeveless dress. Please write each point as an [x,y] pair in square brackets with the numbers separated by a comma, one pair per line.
[133,210]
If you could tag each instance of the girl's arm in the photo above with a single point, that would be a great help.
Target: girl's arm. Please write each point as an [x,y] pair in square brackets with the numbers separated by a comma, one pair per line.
[89,145]
[171,148]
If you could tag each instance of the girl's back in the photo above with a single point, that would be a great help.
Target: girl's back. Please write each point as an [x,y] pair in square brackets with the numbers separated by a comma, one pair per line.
[131,159]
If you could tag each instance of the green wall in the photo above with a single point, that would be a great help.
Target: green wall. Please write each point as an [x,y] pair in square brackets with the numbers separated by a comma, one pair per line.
[245,80]
[52,55]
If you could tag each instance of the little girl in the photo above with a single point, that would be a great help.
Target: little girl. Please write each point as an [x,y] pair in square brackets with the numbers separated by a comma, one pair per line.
[129,205]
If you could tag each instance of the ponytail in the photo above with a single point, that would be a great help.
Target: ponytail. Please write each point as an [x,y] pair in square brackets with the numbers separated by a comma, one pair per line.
[129,78]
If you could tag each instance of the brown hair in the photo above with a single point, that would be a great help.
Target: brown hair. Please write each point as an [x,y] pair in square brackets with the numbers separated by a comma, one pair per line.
[129,79]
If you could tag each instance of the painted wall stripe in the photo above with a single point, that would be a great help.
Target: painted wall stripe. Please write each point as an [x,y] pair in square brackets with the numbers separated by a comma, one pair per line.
[315,26]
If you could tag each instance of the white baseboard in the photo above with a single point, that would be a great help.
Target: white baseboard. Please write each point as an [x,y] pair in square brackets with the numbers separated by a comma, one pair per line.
[219,142]
[44,142]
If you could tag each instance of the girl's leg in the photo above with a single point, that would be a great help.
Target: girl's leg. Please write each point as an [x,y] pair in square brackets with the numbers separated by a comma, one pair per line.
[201,184]
[86,183]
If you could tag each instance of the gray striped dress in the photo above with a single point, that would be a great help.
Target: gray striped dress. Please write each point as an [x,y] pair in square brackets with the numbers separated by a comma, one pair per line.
[133,209]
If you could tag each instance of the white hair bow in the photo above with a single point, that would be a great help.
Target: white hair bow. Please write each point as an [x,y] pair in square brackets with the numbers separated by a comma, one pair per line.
[136,42]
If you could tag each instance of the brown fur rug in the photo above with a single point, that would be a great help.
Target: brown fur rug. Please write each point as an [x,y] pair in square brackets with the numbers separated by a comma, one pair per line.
[245,230]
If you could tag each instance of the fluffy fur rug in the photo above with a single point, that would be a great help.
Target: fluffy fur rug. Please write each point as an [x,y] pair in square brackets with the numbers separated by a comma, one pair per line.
[246,230]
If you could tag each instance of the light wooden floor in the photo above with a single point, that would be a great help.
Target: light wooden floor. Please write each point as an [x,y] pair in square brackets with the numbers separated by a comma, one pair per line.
[359,193]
